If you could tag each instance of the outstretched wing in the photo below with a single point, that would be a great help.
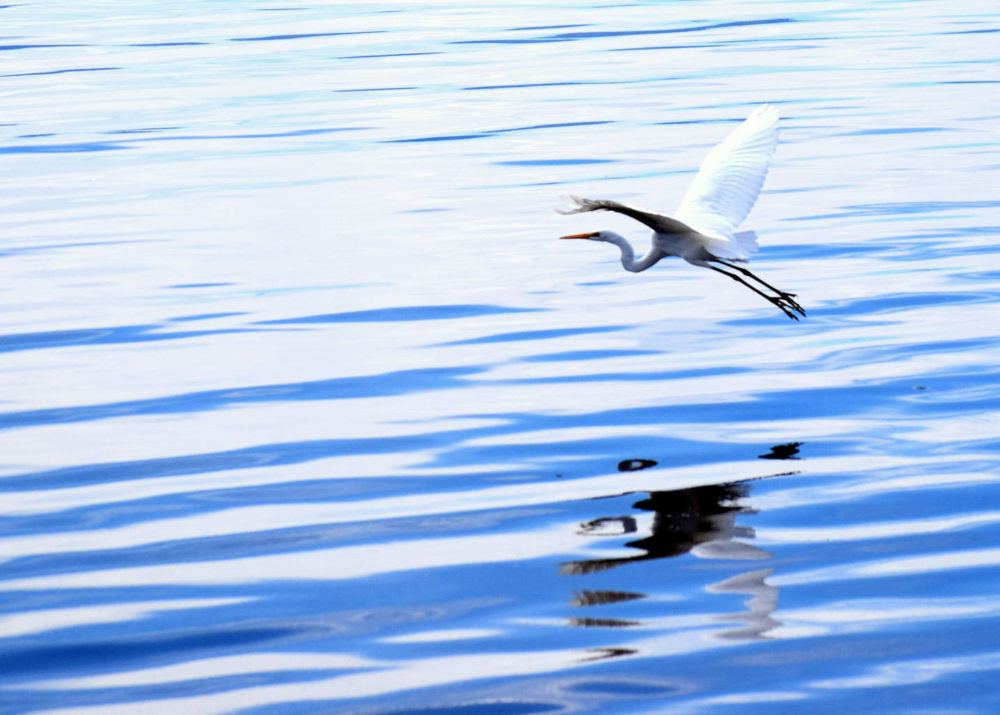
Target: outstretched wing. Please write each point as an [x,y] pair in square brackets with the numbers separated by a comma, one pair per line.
[730,178]
[663,224]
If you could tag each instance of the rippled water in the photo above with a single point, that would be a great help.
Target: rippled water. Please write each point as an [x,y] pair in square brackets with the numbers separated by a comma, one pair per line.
[305,409]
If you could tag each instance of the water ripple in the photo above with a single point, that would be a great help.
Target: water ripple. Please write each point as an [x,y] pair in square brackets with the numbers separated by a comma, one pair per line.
[344,388]
[413,467]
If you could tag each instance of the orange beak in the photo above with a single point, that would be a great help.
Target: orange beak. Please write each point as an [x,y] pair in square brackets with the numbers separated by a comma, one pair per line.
[581,235]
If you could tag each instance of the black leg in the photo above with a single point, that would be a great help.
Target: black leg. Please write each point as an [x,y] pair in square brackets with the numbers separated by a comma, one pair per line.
[788,298]
[777,300]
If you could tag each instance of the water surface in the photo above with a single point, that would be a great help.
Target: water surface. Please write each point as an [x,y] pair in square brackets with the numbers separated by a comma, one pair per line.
[305,409]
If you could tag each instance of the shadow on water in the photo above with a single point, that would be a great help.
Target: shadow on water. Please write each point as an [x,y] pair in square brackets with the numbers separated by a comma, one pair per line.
[701,521]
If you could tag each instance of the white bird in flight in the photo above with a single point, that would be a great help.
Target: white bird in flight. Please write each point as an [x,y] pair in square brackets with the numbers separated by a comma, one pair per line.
[702,231]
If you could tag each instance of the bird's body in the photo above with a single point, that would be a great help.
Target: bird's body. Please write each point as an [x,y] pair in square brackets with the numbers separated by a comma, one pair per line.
[703,230]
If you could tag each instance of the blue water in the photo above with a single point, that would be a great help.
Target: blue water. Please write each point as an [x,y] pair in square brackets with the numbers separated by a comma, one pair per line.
[305,409]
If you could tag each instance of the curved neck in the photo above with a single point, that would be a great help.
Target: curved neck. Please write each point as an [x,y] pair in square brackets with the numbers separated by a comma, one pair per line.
[628,254]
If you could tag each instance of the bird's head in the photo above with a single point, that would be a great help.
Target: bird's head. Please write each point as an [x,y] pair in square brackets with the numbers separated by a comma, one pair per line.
[593,236]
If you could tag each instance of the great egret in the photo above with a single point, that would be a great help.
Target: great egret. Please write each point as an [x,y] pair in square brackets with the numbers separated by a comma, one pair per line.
[721,196]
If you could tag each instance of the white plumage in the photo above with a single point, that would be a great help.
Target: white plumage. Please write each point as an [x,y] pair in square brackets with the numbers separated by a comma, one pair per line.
[703,229]
[730,178]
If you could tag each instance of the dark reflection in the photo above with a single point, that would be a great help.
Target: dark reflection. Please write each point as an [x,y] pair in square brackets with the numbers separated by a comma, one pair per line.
[634,465]
[610,526]
[701,521]
[683,519]
[602,623]
[600,598]
[783,451]
[605,653]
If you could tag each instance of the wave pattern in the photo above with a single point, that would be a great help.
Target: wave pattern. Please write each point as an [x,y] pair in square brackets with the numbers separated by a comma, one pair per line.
[304,408]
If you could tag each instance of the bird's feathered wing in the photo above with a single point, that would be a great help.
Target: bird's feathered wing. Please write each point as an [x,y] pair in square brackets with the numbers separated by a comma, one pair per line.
[729,180]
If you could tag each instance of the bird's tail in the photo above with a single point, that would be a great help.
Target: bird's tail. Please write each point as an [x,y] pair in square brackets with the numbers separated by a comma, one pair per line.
[746,243]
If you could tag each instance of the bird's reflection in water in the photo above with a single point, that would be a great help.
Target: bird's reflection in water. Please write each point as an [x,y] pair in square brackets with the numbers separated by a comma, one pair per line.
[605,653]
[600,598]
[783,451]
[700,521]
[762,602]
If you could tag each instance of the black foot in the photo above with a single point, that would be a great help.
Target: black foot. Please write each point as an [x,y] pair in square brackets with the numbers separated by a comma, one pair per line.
[789,310]
[788,299]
